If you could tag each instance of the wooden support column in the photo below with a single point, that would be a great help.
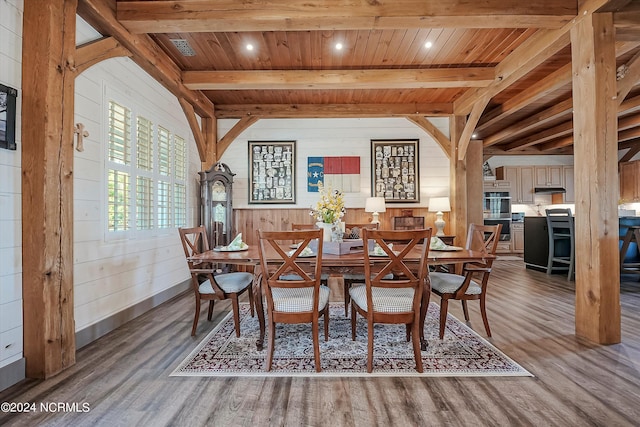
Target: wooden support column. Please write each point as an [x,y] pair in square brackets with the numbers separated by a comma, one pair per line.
[458,182]
[210,132]
[49,29]
[475,183]
[596,179]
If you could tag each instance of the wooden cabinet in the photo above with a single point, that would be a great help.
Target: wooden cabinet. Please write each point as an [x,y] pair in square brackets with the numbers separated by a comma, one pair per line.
[498,185]
[548,176]
[517,237]
[521,178]
[570,195]
[629,177]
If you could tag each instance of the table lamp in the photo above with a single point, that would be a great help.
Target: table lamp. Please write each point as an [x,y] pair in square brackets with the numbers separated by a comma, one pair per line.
[439,205]
[375,205]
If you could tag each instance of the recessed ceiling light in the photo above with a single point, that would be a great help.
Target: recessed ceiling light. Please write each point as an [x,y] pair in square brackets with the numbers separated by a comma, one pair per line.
[475,135]
[428,45]
[338,46]
[249,46]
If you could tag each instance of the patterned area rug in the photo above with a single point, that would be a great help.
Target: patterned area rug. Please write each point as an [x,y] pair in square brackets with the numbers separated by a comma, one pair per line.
[462,352]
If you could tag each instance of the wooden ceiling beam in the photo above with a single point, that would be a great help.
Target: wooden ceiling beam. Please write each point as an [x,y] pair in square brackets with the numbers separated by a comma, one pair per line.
[339,79]
[295,15]
[630,74]
[628,134]
[292,111]
[560,130]
[540,119]
[529,55]
[631,153]
[551,83]
[100,14]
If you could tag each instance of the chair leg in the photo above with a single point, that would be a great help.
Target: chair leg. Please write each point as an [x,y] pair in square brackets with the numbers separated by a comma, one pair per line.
[415,336]
[251,302]
[236,313]
[408,325]
[195,318]
[271,343]
[353,322]
[326,322]
[315,330]
[210,312]
[483,311]
[444,303]
[370,347]
[465,310]
[347,297]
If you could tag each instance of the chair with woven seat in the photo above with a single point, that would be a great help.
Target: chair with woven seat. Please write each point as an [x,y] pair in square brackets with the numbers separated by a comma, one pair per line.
[209,286]
[395,300]
[292,285]
[471,284]
[561,241]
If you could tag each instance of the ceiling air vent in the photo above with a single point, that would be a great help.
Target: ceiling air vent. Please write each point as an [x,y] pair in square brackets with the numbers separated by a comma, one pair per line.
[183,47]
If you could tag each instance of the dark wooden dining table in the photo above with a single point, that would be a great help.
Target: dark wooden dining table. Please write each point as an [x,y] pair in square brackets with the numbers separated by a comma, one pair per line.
[338,265]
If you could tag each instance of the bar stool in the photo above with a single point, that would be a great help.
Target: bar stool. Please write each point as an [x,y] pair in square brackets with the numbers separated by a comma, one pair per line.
[561,241]
[629,265]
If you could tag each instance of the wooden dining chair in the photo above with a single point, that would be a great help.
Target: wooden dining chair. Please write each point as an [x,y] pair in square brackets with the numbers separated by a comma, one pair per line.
[471,284]
[354,231]
[292,285]
[396,300]
[207,284]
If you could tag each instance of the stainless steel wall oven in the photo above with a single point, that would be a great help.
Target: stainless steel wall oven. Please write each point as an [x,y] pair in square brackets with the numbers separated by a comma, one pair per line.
[497,210]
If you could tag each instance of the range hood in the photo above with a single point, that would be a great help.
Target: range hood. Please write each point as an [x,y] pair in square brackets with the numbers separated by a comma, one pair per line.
[549,190]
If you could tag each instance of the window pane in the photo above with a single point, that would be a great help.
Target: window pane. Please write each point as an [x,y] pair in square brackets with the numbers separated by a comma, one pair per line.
[144,144]
[119,134]
[180,203]
[164,204]
[180,158]
[164,165]
[118,201]
[144,203]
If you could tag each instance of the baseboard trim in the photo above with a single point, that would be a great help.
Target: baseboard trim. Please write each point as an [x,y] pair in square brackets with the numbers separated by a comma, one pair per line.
[12,373]
[95,331]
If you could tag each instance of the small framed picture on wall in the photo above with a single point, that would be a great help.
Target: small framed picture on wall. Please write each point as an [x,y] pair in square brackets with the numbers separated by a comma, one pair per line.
[272,166]
[394,170]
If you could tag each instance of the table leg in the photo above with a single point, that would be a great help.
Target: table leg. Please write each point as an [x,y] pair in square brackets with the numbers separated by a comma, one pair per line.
[257,300]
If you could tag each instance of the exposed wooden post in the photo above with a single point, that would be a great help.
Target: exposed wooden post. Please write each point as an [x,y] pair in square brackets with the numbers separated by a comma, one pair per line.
[475,184]
[49,30]
[458,182]
[210,131]
[596,179]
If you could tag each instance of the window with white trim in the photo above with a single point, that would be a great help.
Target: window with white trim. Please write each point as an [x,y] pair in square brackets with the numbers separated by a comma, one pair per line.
[146,173]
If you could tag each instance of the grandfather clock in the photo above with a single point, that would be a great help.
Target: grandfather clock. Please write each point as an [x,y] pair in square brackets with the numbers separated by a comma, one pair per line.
[216,210]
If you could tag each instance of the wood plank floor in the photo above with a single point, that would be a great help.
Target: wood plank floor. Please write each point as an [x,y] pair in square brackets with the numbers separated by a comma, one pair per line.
[124,376]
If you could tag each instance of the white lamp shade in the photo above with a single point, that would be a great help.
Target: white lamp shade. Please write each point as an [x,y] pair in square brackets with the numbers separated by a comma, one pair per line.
[375,204]
[439,204]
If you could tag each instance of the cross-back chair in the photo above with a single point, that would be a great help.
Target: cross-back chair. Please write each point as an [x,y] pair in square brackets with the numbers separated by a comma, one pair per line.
[209,286]
[354,231]
[396,299]
[471,284]
[292,284]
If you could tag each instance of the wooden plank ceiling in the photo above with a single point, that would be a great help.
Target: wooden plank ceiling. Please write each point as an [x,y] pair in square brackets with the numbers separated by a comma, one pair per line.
[384,67]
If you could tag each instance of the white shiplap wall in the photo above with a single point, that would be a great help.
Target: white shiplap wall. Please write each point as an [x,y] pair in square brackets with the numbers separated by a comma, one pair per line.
[337,137]
[10,192]
[110,274]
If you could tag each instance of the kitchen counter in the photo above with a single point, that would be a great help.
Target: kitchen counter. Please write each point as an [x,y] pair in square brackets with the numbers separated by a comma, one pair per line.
[536,243]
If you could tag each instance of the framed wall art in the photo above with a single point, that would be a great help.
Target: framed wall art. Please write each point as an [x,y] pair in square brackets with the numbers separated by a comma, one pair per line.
[394,166]
[272,166]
